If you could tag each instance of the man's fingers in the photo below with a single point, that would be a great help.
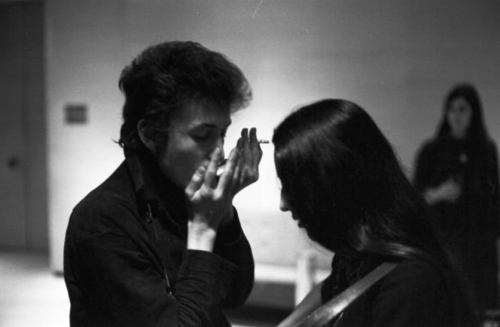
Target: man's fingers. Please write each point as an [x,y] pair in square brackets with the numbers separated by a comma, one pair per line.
[253,137]
[246,145]
[239,144]
[196,181]
[255,146]
[244,134]
[226,179]
[237,174]
[211,173]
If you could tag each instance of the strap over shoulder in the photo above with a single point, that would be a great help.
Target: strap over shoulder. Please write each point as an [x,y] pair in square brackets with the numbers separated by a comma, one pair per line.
[335,306]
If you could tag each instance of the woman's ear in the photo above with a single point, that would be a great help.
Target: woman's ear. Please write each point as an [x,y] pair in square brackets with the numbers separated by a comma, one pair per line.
[142,130]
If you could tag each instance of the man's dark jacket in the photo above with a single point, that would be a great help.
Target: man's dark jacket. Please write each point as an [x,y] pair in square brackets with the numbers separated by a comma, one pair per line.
[126,262]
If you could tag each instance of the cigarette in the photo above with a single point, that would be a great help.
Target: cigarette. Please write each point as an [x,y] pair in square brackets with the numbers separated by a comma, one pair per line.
[263,141]
[220,167]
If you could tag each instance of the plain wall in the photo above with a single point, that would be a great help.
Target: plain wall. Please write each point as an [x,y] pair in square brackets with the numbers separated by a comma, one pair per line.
[395,58]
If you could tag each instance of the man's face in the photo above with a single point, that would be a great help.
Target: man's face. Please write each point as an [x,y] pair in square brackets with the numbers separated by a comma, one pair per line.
[196,131]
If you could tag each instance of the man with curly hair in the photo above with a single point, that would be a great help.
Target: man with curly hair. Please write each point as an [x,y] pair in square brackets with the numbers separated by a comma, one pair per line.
[159,242]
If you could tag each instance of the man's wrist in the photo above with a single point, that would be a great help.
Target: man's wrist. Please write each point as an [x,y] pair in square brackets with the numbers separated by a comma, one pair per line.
[230,231]
[200,237]
[228,218]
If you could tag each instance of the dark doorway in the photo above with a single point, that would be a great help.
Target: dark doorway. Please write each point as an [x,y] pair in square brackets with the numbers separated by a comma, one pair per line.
[23,182]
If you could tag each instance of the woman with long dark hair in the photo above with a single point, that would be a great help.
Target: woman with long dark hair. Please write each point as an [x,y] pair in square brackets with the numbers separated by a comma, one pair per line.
[342,183]
[457,171]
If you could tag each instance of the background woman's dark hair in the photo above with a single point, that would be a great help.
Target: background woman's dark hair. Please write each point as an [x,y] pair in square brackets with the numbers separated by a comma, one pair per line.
[477,130]
[165,77]
[343,180]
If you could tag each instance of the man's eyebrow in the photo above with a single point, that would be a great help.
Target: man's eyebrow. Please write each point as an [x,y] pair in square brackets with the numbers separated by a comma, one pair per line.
[210,125]
[205,125]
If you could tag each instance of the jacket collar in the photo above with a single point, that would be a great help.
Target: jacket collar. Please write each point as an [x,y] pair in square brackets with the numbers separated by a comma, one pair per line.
[151,185]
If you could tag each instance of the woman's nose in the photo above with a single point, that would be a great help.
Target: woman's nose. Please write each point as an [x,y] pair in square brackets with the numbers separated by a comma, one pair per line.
[284,204]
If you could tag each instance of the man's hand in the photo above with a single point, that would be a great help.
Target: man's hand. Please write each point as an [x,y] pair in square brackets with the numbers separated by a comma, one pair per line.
[210,199]
[251,154]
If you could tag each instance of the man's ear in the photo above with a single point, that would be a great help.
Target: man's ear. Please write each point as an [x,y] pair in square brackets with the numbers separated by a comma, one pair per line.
[143,131]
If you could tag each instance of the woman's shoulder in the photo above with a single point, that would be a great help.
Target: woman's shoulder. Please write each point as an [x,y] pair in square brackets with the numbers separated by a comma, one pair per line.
[415,275]
[420,282]
[426,265]
[414,286]
[418,292]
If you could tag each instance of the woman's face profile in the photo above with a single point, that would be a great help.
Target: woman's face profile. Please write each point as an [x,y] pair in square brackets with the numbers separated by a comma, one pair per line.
[283,202]
[285,207]
[459,116]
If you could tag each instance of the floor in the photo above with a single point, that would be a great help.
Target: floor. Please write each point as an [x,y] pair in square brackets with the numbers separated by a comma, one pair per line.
[31,295]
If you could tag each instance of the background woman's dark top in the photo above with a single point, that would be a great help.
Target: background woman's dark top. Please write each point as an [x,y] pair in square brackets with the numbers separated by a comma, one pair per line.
[471,224]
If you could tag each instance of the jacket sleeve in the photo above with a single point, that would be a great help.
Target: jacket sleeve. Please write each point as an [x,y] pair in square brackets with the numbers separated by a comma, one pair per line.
[232,245]
[116,280]
[494,188]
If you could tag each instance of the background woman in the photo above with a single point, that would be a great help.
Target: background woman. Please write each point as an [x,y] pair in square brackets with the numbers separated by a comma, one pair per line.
[342,183]
[457,171]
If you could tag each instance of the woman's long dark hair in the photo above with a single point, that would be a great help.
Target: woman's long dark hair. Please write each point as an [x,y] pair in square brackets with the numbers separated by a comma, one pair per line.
[342,180]
[477,131]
